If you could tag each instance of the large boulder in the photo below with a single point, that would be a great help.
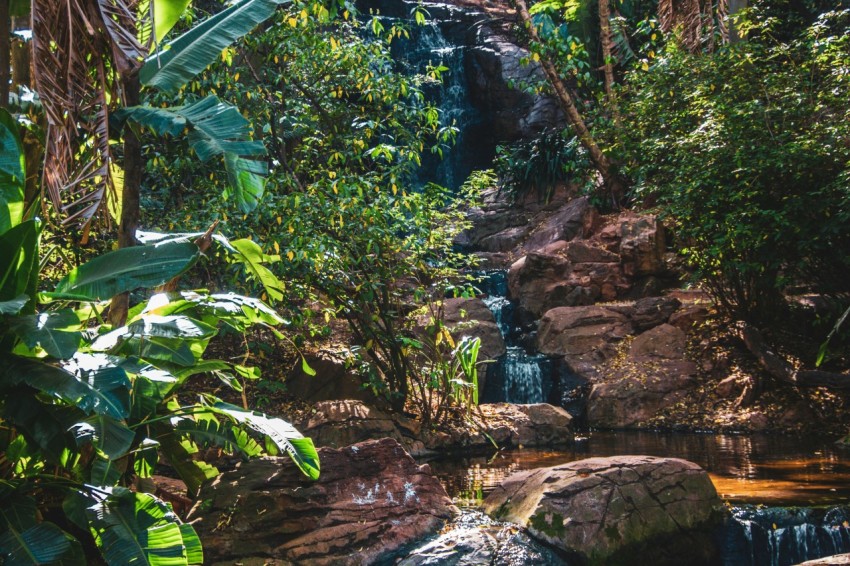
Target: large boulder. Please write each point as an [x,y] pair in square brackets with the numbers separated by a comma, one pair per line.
[655,375]
[371,500]
[539,282]
[630,510]
[584,337]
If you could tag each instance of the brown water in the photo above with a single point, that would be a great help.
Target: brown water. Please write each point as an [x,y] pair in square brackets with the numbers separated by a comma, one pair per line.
[771,470]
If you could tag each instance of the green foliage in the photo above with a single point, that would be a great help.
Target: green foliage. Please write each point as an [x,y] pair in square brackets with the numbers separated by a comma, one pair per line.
[94,405]
[745,152]
[341,221]
[541,164]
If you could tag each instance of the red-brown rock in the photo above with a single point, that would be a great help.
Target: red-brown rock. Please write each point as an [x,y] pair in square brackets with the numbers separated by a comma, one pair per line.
[371,500]
[636,510]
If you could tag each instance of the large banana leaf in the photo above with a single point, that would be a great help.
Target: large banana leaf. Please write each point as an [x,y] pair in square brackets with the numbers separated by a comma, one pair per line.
[209,431]
[216,128]
[138,528]
[19,262]
[44,543]
[12,173]
[166,14]
[129,268]
[104,391]
[282,435]
[57,332]
[195,50]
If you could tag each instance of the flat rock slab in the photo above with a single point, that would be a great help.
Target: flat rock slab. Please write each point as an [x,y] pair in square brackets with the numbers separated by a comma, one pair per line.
[836,560]
[621,510]
[371,500]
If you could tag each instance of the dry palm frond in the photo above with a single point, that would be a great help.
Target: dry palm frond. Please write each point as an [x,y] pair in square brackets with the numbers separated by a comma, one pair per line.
[698,22]
[81,49]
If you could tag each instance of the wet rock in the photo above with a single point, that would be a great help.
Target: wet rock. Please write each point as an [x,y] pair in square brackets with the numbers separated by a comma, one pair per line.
[652,311]
[475,539]
[471,317]
[583,336]
[654,376]
[642,245]
[620,510]
[371,500]
[729,387]
[333,381]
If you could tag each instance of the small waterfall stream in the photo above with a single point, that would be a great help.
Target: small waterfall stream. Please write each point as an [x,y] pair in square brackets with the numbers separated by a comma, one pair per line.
[519,377]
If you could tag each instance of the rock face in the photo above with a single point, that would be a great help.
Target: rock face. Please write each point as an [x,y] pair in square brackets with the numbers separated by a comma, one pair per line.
[340,423]
[837,560]
[642,245]
[622,510]
[583,336]
[538,424]
[332,381]
[471,317]
[371,500]
[654,376]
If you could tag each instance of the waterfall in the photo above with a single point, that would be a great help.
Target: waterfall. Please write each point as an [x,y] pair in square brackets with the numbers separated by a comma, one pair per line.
[781,536]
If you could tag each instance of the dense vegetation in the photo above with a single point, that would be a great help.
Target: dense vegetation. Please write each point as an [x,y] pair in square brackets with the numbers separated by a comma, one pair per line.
[290,128]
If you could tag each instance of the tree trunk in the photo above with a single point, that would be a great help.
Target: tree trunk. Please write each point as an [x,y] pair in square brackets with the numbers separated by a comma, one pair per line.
[779,368]
[607,57]
[5,52]
[133,168]
[612,181]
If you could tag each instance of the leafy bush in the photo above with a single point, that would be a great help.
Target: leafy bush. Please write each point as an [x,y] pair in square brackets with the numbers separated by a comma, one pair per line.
[86,409]
[541,164]
[746,152]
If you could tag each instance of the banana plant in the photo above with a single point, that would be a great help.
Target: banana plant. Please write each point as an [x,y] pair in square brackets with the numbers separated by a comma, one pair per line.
[86,409]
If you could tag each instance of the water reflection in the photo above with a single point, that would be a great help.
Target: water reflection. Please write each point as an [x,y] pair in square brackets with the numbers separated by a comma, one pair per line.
[745,469]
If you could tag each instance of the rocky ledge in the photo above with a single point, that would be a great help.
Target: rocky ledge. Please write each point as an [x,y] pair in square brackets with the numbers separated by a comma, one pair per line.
[339,423]
[371,501]
[621,510]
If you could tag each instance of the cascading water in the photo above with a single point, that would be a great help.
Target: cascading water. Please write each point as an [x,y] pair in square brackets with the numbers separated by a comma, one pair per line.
[442,40]
[519,377]
[781,536]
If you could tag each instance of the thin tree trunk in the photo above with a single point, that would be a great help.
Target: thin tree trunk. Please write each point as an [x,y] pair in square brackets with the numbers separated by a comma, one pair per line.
[133,169]
[5,52]
[600,161]
[607,57]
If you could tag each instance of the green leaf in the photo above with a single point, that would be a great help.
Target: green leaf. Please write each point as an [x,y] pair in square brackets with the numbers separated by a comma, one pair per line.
[111,437]
[208,432]
[56,332]
[192,52]
[166,14]
[19,262]
[146,458]
[104,472]
[215,128]
[251,254]
[44,543]
[15,305]
[282,434]
[195,473]
[104,391]
[129,268]
[12,173]
[305,367]
[138,528]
